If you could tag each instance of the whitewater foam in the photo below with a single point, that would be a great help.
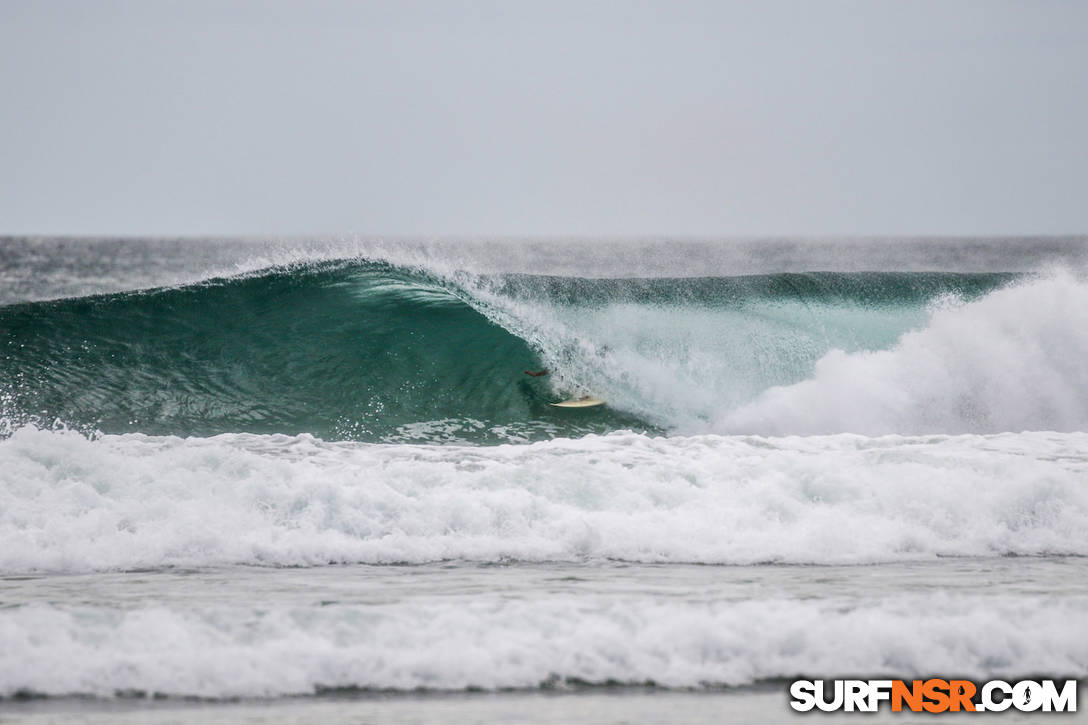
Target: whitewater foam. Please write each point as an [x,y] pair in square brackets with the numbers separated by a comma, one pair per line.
[493,642]
[1012,360]
[69,504]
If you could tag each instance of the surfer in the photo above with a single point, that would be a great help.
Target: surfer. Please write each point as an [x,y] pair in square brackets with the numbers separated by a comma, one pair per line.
[536,392]
[532,392]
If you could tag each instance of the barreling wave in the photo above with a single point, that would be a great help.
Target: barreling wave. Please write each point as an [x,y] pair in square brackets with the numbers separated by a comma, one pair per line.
[369,351]
[359,351]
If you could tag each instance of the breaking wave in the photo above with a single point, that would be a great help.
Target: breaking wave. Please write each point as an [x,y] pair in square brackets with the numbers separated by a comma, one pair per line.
[357,350]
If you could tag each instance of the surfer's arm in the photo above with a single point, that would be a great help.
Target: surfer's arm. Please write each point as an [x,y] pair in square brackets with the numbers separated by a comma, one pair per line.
[536,374]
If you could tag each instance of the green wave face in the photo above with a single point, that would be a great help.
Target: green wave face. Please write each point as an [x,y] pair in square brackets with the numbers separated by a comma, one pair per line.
[366,351]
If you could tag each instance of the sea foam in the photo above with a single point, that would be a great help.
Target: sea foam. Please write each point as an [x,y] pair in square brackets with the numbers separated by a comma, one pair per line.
[1013,360]
[492,642]
[73,504]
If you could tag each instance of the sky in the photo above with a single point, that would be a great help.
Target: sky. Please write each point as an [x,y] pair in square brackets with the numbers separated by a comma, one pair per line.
[798,117]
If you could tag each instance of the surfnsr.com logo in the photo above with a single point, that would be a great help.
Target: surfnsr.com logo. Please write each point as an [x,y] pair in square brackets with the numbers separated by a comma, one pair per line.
[934,695]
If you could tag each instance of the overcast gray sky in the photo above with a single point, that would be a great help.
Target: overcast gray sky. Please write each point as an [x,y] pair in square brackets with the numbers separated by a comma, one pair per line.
[584,118]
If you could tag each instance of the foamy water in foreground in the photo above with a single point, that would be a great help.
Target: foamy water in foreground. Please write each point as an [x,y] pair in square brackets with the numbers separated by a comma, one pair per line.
[69,504]
[591,562]
[244,632]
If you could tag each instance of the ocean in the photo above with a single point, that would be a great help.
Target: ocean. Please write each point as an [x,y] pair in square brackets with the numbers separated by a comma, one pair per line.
[301,480]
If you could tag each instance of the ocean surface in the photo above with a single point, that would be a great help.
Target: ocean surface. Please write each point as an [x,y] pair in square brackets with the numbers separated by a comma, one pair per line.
[305,480]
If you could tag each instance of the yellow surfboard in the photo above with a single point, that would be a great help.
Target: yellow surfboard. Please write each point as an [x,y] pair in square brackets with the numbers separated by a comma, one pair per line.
[586,402]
